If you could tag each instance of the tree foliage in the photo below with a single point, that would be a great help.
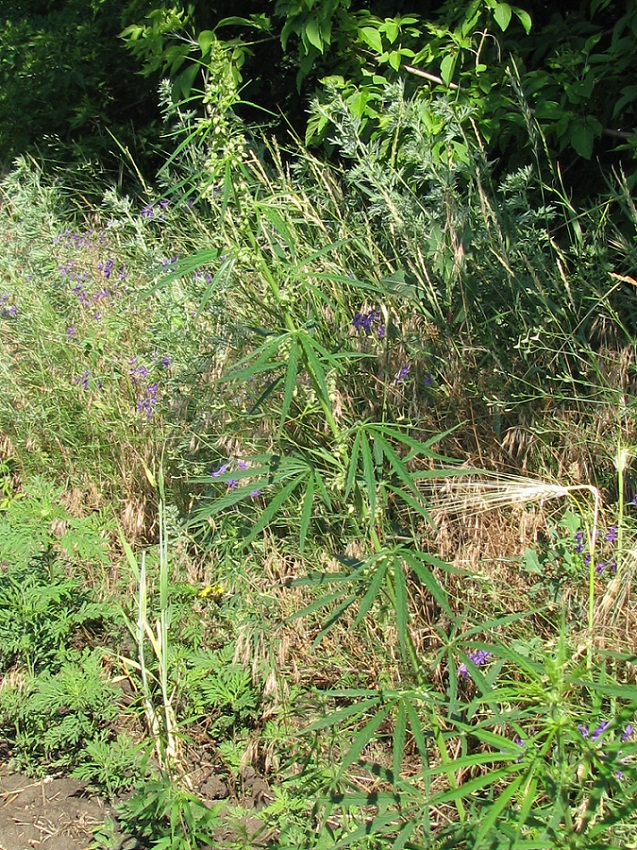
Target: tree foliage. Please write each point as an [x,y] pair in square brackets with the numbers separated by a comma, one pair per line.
[79,69]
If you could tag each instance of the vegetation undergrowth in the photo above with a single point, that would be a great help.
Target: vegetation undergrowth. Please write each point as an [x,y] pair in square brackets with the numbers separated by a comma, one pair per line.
[326,473]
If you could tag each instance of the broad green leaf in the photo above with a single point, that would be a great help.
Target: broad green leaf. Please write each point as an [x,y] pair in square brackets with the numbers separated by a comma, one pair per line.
[394,59]
[372,38]
[502,14]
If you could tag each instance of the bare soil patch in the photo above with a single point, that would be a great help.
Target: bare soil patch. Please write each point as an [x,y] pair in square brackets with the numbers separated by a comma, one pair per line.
[59,814]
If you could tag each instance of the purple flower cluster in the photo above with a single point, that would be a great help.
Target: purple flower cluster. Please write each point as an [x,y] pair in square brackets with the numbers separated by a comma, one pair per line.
[139,374]
[479,658]
[150,211]
[600,730]
[79,240]
[403,373]
[205,276]
[367,322]
[84,379]
[148,403]
[233,482]
[7,310]
[611,536]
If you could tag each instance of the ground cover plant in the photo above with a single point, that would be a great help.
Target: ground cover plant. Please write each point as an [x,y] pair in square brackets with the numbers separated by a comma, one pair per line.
[327,472]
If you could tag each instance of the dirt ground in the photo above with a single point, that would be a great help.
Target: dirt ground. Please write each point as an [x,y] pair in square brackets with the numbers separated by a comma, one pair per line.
[52,814]
[58,814]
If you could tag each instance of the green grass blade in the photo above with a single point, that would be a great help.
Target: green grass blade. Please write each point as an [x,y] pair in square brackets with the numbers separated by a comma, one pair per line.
[364,737]
[400,738]
[306,512]
[290,382]
[268,514]
[369,475]
[400,602]
[336,718]
[372,591]
[414,560]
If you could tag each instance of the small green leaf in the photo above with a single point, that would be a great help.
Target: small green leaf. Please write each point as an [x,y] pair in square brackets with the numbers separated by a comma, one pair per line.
[206,39]
[312,34]
[582,139]
[447,67]
[394,59]
[524,18]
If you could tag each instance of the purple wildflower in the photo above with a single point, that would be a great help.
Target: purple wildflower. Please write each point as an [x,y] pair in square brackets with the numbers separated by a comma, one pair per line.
[232,483]
[403,374]
[165,362]
[599,731]
[70,331]
[255,494]
[381,332]
[599,569]
[107,267]
[627,733]
[366,321]
[634,499]
[579,542]
[611,534]
[148,403]
[583,730]
[83,380]
[479,658]
[219,471]
[428,380]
